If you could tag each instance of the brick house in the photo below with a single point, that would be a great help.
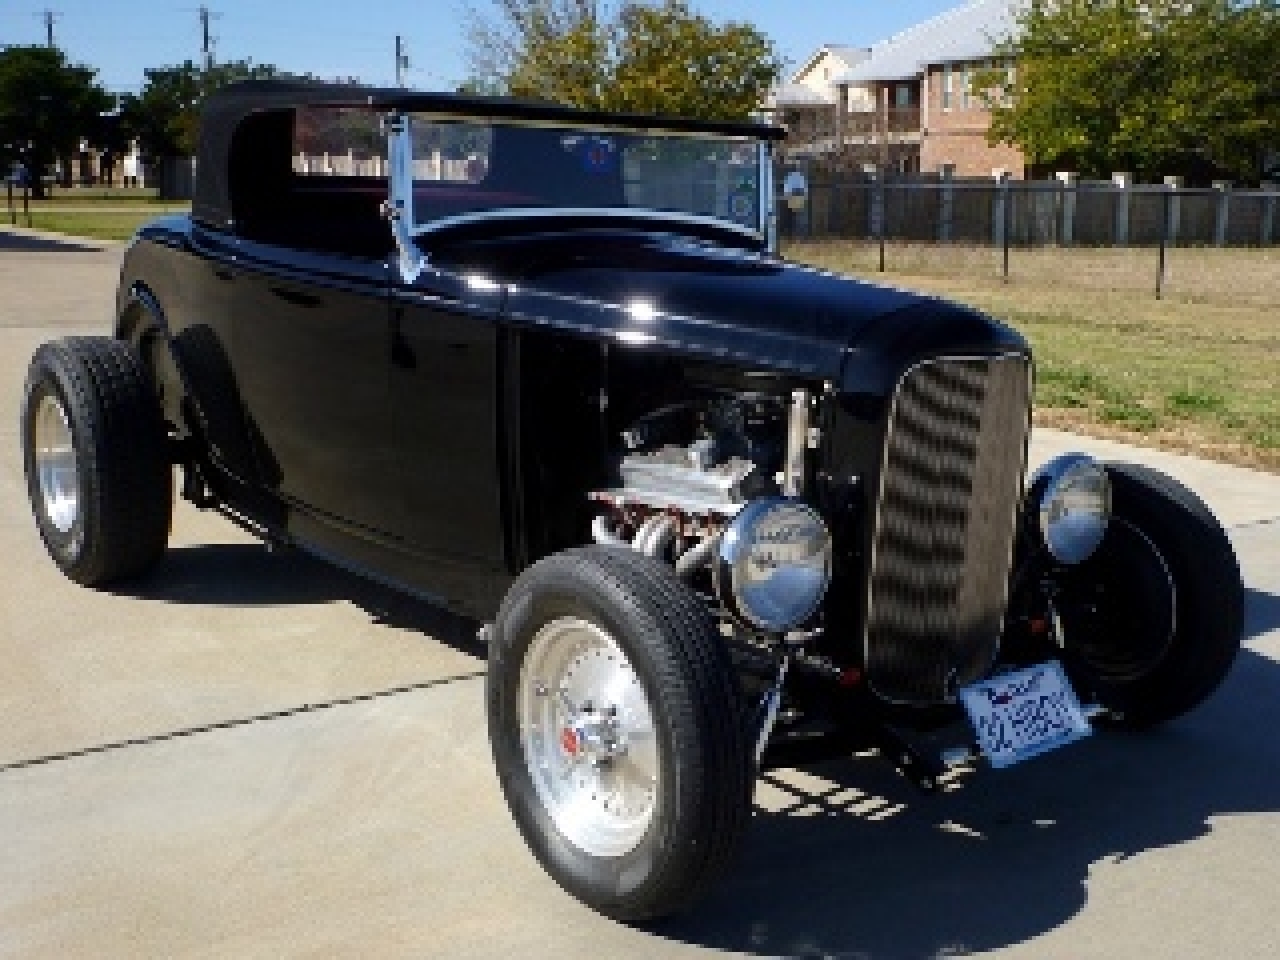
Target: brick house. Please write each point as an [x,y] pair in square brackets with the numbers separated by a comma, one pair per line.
[907,101]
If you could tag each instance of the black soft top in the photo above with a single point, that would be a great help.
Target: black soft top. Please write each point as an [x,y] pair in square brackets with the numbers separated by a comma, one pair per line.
[226,110]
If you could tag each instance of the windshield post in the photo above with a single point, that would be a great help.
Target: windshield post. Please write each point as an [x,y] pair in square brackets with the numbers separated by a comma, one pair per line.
[768,211]
[399,209]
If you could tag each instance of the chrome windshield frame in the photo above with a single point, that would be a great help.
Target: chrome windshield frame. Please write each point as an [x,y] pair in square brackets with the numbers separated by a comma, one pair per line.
[620,213]
[405,229]
[768,198]
[399,207]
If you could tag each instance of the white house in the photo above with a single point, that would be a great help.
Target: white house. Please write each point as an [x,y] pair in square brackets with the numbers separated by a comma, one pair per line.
[814,84]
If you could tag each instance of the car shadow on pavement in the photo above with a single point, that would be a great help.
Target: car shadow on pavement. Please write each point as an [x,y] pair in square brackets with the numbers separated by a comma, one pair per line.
[847,860]
[247,574]
[1261,612]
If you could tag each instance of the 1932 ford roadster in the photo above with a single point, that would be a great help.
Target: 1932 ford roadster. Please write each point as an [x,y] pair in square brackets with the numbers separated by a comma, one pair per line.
[715,510]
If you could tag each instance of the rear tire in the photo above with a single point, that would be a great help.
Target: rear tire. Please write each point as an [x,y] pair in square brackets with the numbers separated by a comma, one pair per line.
[644,632]
[1171,602]
[94,448]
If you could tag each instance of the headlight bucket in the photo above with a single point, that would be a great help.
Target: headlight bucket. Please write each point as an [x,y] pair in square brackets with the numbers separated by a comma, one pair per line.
[1071,497]
[773,565]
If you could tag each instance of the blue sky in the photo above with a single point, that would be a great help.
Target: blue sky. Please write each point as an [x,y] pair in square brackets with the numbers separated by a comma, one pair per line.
[333,38]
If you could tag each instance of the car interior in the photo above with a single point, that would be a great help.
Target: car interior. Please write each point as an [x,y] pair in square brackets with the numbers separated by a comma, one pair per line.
[272,203]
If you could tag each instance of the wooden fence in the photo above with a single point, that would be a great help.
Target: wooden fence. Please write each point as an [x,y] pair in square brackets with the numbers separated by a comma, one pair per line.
[1035,213]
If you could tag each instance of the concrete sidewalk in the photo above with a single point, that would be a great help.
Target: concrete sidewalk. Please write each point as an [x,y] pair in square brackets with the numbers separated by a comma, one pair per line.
[1238,496]
[252,755]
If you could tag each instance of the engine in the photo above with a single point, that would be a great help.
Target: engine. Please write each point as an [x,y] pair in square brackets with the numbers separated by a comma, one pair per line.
[687,469]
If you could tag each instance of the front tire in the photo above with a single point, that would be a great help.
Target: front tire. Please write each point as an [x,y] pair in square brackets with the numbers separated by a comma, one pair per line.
[1154,618]
[94,449]
[618,731]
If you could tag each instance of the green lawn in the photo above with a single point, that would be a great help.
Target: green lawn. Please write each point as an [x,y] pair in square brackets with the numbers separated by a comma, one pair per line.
[99,225]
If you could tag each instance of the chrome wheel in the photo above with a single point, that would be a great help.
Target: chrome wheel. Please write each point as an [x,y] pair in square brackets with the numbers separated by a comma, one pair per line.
[587,733]
[55,461]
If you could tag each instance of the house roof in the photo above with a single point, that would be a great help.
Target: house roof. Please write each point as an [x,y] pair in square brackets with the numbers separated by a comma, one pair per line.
[969,32]
[851,56]
[798,95]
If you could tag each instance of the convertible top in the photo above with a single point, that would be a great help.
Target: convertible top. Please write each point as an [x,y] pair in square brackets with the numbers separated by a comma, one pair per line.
[226,112]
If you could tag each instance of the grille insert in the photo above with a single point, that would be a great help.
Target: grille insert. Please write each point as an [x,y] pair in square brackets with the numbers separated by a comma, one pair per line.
[950,485]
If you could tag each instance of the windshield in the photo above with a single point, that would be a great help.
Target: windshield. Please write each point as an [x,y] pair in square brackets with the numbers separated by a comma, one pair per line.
[466,168]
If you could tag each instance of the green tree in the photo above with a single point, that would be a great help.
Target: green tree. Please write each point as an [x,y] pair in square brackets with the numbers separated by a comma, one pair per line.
[659,57]
[165,116]
[541,49]
[1153,86]
[46,106]
[671,60]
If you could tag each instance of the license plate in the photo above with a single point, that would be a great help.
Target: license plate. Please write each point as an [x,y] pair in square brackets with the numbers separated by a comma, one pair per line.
[1025,713]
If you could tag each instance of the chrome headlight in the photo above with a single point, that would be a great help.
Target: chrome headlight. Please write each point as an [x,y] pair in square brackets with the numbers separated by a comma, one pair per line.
[773,564]
[1073,497]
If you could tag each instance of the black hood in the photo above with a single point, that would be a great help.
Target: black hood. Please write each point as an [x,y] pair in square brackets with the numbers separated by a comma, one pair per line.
[729,304]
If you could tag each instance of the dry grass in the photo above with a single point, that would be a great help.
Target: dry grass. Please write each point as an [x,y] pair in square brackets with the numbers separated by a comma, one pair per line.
[1198,371]
[1200,274]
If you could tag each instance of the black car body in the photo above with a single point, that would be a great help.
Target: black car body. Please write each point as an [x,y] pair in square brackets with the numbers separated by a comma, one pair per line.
[443,380]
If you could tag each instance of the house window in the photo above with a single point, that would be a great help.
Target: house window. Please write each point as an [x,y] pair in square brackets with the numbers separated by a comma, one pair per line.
[947,79]
[902,95]
[966,78]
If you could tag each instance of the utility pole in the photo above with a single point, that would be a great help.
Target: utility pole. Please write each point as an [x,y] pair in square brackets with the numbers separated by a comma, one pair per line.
[206,46]
[402,61]
[50,17]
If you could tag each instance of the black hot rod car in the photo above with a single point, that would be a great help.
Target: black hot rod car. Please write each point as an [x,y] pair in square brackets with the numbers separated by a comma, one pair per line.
[713,509]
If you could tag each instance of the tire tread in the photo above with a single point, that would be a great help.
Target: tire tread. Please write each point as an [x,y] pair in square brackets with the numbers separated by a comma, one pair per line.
[126,480]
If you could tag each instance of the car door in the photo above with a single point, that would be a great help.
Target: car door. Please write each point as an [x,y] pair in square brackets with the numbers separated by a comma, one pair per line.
[447,416]
[311,345]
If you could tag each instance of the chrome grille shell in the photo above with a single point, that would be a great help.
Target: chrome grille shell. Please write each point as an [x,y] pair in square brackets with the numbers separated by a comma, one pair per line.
[945,518]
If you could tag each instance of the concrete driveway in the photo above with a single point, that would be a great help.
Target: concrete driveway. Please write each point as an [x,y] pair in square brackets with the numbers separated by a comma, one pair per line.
[250,755]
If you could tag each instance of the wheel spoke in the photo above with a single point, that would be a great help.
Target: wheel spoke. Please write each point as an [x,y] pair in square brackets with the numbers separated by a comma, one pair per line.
[642,755]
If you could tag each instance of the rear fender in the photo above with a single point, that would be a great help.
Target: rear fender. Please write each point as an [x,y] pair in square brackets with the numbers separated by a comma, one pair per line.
[142,323]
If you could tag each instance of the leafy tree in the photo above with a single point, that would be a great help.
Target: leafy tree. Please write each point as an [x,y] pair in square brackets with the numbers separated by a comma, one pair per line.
[1153,86]
[670,60]
[659,57]
[46,106]
[165,116]
[542,49]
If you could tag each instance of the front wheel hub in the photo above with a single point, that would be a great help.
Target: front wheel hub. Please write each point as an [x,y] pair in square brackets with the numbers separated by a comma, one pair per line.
[587,733]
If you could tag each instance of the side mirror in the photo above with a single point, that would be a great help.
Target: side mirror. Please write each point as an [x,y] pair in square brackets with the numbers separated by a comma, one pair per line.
[795,190]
